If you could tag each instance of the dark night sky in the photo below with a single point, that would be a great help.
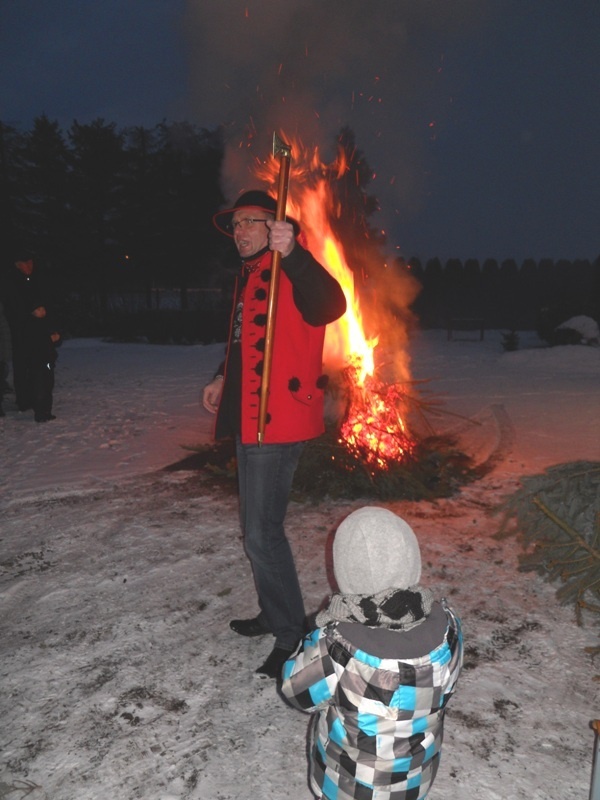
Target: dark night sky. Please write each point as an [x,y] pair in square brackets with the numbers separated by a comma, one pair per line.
[480,118]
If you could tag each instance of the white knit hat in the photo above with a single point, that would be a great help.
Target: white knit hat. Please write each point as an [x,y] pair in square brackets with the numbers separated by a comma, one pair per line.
[374,549]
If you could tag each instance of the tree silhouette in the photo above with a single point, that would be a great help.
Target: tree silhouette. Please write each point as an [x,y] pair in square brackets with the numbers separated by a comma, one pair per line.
[188,171]
[98,163]
[10,143]
[350,175]
[44,193]
[111,211]
[141,221]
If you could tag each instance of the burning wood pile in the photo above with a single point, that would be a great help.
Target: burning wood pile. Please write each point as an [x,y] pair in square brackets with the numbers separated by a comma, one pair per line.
[372,452]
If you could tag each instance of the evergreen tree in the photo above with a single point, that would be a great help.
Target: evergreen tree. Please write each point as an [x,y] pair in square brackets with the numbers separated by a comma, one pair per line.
[433,294]
[11,236]
[349,176]
[188,170]
[385,292]
[141,221]
[44,198]
[97,161]
[453,293]
[556,516]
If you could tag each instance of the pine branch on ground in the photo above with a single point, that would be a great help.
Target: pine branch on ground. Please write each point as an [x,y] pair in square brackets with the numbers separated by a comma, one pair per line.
[556,517]
[327,468]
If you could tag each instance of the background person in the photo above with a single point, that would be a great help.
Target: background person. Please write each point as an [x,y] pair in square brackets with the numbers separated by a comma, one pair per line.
[5,356]
[39,358]
[33,338]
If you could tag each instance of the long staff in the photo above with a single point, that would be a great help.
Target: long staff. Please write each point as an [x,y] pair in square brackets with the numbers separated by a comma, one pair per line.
[595,786]
[284,153]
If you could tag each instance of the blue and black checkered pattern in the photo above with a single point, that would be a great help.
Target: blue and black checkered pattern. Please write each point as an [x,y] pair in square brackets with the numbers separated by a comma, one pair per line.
[379,727]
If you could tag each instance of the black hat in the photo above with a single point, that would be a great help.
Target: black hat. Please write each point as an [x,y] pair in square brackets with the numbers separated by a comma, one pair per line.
[252,199]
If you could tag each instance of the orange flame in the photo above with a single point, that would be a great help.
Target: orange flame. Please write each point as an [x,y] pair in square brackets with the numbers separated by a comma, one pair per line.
[373,427]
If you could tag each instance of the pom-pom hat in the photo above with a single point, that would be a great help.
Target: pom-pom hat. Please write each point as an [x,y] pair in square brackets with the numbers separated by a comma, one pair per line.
[252,199]
[373,550]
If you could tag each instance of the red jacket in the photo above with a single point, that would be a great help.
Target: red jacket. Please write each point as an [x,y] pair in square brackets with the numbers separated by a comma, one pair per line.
[309,298]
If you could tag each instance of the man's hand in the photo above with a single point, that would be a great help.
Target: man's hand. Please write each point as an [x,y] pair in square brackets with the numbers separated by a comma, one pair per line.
[281,236]
[211,394]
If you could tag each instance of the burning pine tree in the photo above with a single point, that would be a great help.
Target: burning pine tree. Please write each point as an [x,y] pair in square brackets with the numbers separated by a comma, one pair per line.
[321,199]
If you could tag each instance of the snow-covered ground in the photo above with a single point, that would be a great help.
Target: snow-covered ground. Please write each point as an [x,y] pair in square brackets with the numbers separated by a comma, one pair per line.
[120,676]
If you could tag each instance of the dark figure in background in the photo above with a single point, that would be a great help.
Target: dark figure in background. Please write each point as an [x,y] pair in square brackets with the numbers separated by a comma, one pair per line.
[34,340]
[308,299]
[5,356]
[39,355]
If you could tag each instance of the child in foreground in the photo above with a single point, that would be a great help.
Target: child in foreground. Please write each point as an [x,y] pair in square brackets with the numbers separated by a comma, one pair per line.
[379,669]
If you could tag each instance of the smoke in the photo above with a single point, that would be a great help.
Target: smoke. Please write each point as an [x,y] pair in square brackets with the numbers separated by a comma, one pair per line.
[309,67]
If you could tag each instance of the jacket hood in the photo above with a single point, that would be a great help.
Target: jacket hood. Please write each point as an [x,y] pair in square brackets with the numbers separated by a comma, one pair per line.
[373,550]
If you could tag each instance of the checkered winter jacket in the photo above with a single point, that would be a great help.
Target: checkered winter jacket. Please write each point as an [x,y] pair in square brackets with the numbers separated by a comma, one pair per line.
[381,697]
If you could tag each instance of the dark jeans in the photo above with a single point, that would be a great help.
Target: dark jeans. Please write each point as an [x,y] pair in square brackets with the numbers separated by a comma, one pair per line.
[42,386]
[3,383]
[22,383]
[265,476]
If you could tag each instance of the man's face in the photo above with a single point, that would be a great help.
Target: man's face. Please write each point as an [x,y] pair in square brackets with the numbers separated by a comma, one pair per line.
[26,267]
[250,232]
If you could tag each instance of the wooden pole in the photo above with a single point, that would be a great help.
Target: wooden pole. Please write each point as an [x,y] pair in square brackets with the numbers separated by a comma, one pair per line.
[595,785]
[284,153]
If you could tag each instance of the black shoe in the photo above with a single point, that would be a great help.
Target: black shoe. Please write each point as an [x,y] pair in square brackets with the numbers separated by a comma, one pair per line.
[274,663]
[249,627]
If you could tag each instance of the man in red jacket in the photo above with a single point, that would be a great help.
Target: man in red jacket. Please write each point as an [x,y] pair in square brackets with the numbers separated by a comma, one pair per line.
[308,299]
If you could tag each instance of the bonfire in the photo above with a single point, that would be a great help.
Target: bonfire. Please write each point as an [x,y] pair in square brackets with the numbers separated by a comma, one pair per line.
[373,424]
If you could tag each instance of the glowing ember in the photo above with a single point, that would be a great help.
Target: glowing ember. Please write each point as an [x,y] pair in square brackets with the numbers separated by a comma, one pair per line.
[373,426]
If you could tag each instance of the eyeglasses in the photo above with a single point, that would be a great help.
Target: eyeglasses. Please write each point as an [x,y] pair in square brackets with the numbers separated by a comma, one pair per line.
[246,222]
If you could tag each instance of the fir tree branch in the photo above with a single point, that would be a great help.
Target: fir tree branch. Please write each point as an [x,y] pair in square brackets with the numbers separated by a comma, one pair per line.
[590,586]
[566,527]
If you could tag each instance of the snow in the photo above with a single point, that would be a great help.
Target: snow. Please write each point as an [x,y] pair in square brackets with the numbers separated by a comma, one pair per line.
[120,675]
[586,326]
